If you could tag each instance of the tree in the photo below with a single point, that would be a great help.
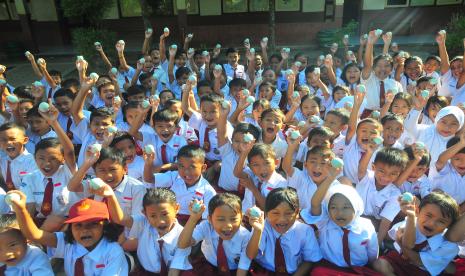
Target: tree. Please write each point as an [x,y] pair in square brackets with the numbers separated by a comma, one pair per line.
[272,24]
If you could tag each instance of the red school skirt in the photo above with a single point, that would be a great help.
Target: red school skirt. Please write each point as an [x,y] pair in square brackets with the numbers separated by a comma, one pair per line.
[327,268]
[258,270]
[201,267]
[401,266]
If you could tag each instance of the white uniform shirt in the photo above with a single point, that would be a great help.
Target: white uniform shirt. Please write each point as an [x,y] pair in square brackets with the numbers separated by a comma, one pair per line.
[275,181]
[136,168]
[34,139]
[422,187]
[82,132]
[352,155]
[449,181]
[186,131]
[107,258]
[299,245]
[23,164]
[202,190]
[339,145]
[379,204]
[35,262]
[229,158]
[373,90]
[34,187]
[436,255]
[129,193]
[229,70]
[279,145]
[148,249]
[448,85]
[235,248]
[63,121]
[198,123]
[172,147]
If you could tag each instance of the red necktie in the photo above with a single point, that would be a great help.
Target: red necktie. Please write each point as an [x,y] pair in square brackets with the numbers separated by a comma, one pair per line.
[69,133]
[381,94]
[46,208]
[419,246]
[9,180]
[79,267]
[206,140]
[2,270]
[126,80]
[260,186]
[234,75]
[164,157]
[362,154]
[222,261]
[163,266]
[279,261]
[50,93]
[345,246]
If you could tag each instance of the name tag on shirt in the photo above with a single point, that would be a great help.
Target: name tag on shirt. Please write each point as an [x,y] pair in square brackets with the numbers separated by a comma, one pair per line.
[100,266]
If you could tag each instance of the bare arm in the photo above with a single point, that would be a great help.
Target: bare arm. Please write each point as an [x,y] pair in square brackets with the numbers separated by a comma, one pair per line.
[146,44]
[383,229]
[78,103]
[35,68]
[358,100]
[185,105]
[293,146]
[446,155]
[445,64]
[122,60]
[320,192]
[103,56]
[185,238]
[368,60]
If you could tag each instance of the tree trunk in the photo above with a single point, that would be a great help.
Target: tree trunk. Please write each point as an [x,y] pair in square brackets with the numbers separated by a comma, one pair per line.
[145,13]
[272,25]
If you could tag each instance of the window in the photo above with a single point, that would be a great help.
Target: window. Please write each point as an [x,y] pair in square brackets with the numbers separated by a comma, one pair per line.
[258,5]
[8,10]
[234,6]
[397,3]
[130,8]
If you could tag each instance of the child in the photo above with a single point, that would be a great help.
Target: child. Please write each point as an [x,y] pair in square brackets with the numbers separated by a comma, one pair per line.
[45,188]
[393,128]
[400,105]
[376,187]
[224,240]
[18,161]
[336,120]
[18,257]
[266,92]
[411,71]
[183,130]
[282,232]
[432,65]
[230,151]
[432,107]
[125,143]
[261,171]
[448,121]
[414,179]
[421,248]
[131,111]
[187,182]
[233,69]
[271,123]
[447,174]
[38,129]
[347,241]
[350,76]
[156,231]
[318,136]
[365,131]
[88,246]
[110,165]
[316,170]
[309,106]
[25,104]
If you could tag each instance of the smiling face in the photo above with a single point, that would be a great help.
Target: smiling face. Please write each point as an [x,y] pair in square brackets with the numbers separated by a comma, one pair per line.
[269,76]
[191,169]
[448,126]
[282,217]
[400,107]
[266,92]
[161,216]
[263,168]
[128,148]
[24,108]
[271,124]
[317,166]
[165,130]
[418,172]
[165,96]
[366,131]
[392,130]
[433,110]
[49,160]
[353,74]
[385,174]
[38,125]
[431,66]
[87,234]
[456,67]
[98,126]
[382,69]
[334,123]
[458,162]
[226,221]
[413,70]
[233,59]
[111,172]
[210,113]
[431,221]
[339,94]
[12,142]
[310,107]
[63,104]
[13,247]
[341,210]
[107,93]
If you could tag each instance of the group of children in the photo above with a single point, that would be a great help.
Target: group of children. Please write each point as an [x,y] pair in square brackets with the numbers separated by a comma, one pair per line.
[195,163]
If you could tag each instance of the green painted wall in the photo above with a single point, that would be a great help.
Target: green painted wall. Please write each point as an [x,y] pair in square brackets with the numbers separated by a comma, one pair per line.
[313,5]
[210,7]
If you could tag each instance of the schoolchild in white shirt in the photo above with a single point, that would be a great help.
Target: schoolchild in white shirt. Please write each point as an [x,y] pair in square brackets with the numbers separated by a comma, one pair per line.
[421,247]
[315,170]
[414,179]
[233,69]
[88,246]
[46,187]
[224,240]
[187,182]
[38,129]
[260,177]
[19,257]
[282,244]
[347,241]
[450,70]
[432,107]
[449,171]
[410,72]
[336,120]
[183,128]
[18,161]
[271,123]
[156,232]
[377,188]
[124,142]
[318,136]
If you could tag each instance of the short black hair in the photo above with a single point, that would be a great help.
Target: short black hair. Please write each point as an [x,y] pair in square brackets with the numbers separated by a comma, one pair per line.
[112,154]
[181,72]
[454,140]
[387,57]
[23,92]
[11,125]
[64,92]
[8,222]
[102,112]
[192,151]
[237,82]
[321,131]
[448,206]
[144,76]
[310,97]
[34,112]
[165,115]
[228,199]
[203,83]
[68,83]
[433,57]
[392,157]
[135,90]
[169,103]
[55,73]
[439,100]
[282,195]
[392,117]
[321,151]
[129,105]
[347,67]
[247,128]
[50,142]
[213,98]
[121,136]
[425,159]
[231,50]
[342,114]
[157,196]
[264,151]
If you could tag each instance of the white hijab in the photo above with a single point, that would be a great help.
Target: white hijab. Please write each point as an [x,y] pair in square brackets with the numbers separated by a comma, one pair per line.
[348,192]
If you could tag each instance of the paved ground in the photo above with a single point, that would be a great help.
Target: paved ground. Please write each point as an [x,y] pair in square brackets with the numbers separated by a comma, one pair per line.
[62,59]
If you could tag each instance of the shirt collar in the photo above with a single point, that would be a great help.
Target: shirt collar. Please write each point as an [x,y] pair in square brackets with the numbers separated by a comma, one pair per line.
[171,235]
[122,185]
[97,252]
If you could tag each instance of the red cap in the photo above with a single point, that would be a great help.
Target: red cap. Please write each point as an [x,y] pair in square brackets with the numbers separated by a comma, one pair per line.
[88,210]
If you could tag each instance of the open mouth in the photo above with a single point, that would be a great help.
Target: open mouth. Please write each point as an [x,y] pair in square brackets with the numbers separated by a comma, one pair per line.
[281,227]
[46,169]
[364,140]
[11,260]
[263,176]
[270,130]
[10,149]
[162,228]
[86,238]
[227,234]
[316,174]
[165,135]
